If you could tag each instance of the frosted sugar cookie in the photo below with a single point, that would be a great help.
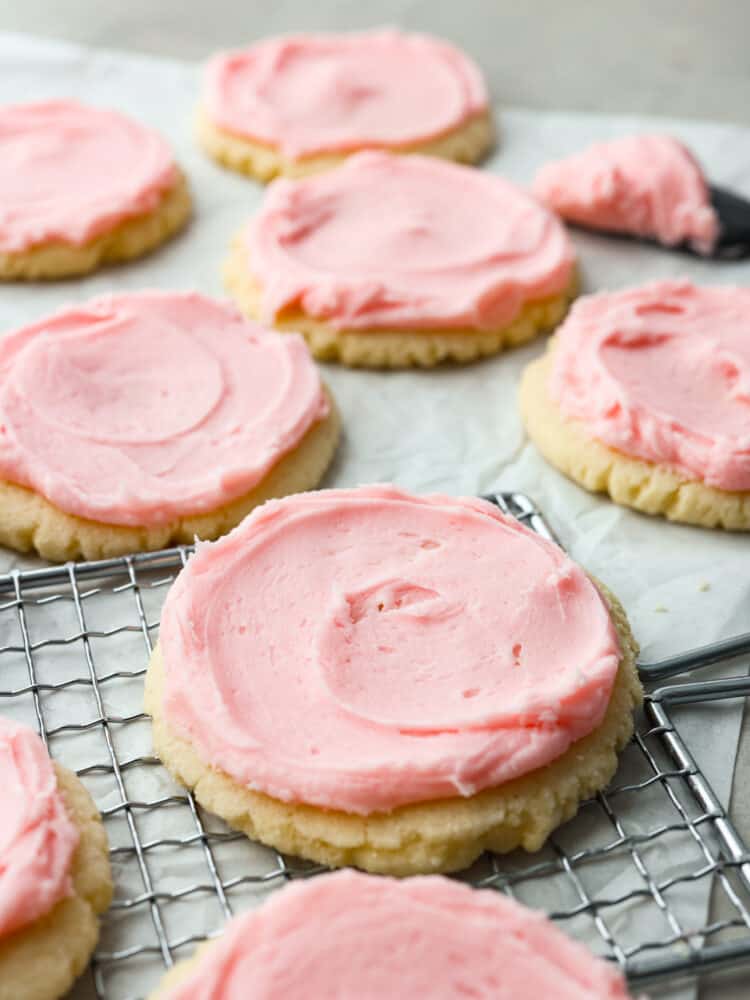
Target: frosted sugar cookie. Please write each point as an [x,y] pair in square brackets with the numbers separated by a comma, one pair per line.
[645,185]
[394,261]
[82,186]
[54,870]
[645,394]
[381,938]
[142,419]
[300,104]
[394,682]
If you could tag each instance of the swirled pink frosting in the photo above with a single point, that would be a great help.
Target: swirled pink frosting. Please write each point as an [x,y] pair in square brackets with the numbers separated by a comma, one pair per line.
[37,837]
[69,172]
[379,938]
[361,649]
[405,242]
[141,407]
[645,185]
[662,372]
[326,93]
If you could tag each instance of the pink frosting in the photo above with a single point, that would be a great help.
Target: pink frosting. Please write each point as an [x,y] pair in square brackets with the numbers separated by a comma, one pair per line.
[662,372]
[410,242]
[646,185]
[378,938]
[69,172]
[308,94]
[361,649]
[141,407]
[37,837]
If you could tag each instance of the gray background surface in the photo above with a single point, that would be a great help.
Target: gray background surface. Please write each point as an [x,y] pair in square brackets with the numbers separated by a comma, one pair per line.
[674,57]
[686,58]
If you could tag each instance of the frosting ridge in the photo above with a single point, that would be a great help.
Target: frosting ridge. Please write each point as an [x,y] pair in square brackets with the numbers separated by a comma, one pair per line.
[70,172]
[469,652]
[141,407]
[608,372]
[37,837]
[410,242]
[645,185]
[322,93]
[377,938]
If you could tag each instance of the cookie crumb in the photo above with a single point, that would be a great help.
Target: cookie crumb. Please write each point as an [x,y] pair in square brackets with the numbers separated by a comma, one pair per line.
[660,608]
[704,586]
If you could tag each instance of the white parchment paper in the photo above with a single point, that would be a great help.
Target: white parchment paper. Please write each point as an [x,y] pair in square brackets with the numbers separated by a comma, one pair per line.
[454,430]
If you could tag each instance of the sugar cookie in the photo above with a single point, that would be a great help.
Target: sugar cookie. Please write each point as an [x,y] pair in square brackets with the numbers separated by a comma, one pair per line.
[148,418]
[54,871]
[395,261]
[380,938]
[300,104]
[393,708]
[599,407]
[80,187]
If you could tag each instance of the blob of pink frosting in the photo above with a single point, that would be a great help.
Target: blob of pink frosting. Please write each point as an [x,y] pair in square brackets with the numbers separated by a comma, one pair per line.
[37,837]
[378,938]
[141,407]
[645,185]
[69,173]
[325,93]
[360,649]
[405,242]
[662,372]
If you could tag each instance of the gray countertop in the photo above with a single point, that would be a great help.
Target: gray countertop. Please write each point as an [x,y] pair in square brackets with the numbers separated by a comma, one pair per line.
[673,57]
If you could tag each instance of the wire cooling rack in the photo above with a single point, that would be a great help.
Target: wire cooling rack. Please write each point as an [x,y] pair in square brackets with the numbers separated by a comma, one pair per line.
[631,874]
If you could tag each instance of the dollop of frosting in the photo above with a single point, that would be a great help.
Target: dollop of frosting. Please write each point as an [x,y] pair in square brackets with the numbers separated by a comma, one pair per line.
[361,649]
[378,938]
[69,173]
[142,407]
[662,372]
[331,93]
[646,185]
[37,837]
[405,242]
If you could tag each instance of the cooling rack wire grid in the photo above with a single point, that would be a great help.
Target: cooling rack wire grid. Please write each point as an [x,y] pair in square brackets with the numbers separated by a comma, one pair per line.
[627,875]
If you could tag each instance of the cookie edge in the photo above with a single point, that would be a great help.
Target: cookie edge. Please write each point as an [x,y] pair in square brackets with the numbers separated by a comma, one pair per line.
[631,482]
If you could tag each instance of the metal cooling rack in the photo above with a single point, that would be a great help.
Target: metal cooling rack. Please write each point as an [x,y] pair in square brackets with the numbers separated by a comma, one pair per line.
[74,642]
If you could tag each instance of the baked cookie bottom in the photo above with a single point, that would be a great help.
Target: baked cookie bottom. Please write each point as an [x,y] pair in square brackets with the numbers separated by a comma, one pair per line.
[42,960]
[132,237]
[466,144]
[632,482]
[30,522]
[395,348]
[438,836]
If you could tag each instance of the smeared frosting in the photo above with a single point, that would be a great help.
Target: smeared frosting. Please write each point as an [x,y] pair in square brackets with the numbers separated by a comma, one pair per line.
[141,407]
[69,173]
[378,938]
[37,837]
[324,93]
[662,372]
[361,649]
[405,242]
[645,185]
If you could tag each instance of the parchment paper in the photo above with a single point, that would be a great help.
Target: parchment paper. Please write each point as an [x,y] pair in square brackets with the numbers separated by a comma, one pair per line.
[454,430]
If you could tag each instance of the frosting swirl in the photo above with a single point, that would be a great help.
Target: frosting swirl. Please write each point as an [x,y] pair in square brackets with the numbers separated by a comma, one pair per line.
[405,242]
[324,93]
[645,185]
[362,649]
[69,172]
[37,837]
[380,938]
[141,407]
[610,360]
